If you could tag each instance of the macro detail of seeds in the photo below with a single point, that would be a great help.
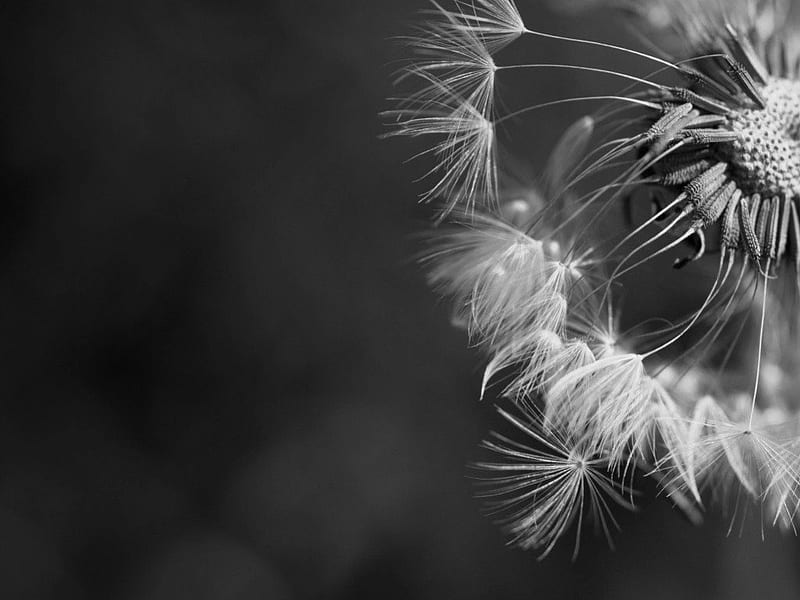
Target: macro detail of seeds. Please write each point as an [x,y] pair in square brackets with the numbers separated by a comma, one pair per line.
[689,172]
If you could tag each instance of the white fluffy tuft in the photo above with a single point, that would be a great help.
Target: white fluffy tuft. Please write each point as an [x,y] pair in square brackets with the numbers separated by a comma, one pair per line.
[542,484]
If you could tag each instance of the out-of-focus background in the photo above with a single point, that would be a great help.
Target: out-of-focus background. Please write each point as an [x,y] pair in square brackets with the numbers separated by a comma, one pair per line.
[223,376]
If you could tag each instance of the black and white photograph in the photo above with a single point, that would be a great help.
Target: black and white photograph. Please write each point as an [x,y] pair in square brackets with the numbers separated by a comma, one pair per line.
[413,300]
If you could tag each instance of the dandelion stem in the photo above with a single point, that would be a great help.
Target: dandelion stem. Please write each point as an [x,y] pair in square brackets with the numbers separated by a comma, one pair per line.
[581,68]
[760,348]
[528,109]
[718,283]
[562,38]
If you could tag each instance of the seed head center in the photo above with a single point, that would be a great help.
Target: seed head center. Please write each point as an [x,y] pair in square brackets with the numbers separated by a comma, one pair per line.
[766,158]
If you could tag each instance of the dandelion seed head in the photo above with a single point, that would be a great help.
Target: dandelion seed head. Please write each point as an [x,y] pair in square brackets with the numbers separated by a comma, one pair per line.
[765,158]
[712,142]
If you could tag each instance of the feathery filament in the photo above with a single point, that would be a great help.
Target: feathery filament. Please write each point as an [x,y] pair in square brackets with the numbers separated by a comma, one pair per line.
[713,161]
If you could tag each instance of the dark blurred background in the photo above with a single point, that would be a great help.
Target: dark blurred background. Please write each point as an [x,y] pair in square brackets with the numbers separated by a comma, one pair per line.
[223,376]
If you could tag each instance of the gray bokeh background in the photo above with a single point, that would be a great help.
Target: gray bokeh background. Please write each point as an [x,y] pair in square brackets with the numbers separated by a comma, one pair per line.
[223,376]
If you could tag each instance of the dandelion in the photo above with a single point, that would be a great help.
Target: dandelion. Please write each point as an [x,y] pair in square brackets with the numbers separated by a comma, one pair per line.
[466,152]
[541,486]
[452,60]
[707,146]
[496,22]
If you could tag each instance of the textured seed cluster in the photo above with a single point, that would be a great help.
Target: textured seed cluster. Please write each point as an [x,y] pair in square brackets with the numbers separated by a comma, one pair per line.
[766,159]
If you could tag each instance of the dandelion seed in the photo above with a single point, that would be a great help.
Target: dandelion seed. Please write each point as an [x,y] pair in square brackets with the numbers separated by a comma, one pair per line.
[709,142]
[490,268]
[466,168]
[496,22]
[453,62]
[541,485]
[609,401]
